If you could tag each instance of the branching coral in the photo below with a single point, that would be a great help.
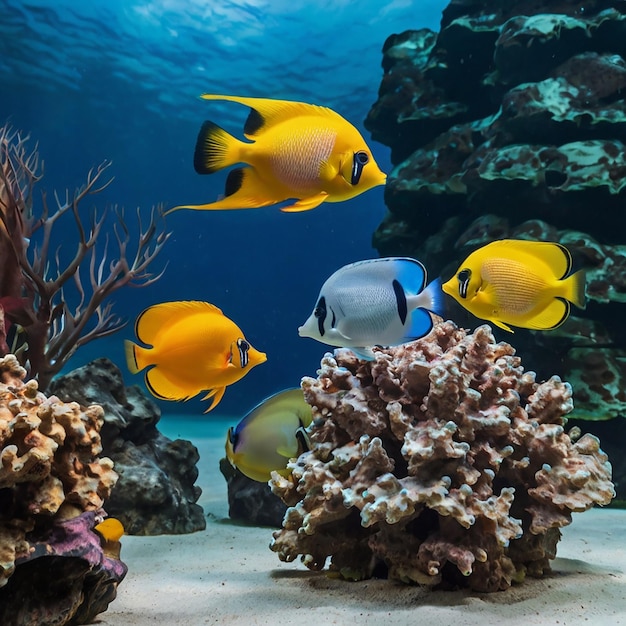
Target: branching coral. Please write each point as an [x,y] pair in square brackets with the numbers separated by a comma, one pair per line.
[34,281]
[443,460]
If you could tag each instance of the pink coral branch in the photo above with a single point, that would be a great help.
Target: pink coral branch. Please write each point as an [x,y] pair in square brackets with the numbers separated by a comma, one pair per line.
[53,329]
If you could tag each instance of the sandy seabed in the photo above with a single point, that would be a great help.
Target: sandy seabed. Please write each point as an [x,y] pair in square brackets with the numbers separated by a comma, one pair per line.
[227,574]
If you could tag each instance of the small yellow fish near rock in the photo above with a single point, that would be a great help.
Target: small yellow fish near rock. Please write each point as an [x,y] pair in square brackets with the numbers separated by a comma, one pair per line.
[271,434]
[110,531]
[522,283]
[194,348]
[297,151]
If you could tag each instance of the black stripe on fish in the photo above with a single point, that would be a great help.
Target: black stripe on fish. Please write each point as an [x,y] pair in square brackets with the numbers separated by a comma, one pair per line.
[334,320]
[358,161]
[400,301]
[254,123]
[243,347]
[464,278]
[233,437]
[302,439]
[234,181]
[320,313]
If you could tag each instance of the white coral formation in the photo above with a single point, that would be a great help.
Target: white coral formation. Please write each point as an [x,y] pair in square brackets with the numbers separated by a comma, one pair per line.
[441,462]
[49,463]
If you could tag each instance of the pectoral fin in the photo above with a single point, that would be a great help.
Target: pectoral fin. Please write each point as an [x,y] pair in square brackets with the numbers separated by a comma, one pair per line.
[367,354]
[217,394]
[502,325]
[306,204]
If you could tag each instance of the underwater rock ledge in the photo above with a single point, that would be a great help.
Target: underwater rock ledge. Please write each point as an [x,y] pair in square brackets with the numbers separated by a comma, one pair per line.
[441,463]
[156,492]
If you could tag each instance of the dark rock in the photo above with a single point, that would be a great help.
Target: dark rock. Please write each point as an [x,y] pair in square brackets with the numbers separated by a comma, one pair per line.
[521,108]
[66,578]
[250,501]
[155,493]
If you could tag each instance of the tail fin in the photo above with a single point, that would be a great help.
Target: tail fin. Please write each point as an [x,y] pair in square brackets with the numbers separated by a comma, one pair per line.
[215,149]
[575,289]
[131,356]
[432,298]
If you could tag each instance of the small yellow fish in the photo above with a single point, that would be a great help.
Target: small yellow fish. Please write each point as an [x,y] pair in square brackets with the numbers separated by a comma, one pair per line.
[110,529]
[271,434]
[297,151]
[194,348]
[522,283]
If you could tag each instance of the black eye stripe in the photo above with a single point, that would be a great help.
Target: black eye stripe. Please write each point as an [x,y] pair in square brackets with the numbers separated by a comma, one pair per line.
[320,313]
[358,161]
[464,277]
[243,347]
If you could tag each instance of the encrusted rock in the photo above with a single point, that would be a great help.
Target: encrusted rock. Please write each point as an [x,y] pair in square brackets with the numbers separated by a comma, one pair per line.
[442,461]
[155,493]
[53,485]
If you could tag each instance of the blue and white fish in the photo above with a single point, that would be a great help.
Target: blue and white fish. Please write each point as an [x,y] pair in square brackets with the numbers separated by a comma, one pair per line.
[377,302]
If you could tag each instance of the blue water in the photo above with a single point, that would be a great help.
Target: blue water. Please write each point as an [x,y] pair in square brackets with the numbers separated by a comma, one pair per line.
[120,80]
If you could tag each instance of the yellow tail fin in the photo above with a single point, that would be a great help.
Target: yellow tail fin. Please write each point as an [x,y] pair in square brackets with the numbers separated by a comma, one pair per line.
[215,149]
[131,356]
[574,287]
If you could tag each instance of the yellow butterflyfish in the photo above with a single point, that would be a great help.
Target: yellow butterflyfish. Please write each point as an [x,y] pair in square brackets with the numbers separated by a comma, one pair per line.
[296,151]
[521,283]
[194,348]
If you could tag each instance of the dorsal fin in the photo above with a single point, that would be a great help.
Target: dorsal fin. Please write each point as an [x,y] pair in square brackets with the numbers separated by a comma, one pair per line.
[553,254]
[161,315]
[267,112]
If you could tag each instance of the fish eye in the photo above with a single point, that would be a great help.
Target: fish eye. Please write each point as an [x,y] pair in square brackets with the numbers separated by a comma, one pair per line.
[362,157]
[464,275]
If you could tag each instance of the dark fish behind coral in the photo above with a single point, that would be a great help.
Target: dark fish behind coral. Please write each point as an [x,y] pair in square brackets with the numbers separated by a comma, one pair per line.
[271,434]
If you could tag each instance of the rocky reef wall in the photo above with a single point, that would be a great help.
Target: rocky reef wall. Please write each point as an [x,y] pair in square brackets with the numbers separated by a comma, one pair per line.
[511,122]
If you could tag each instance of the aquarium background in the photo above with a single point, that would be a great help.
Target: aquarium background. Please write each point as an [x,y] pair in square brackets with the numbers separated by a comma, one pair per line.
[120,80]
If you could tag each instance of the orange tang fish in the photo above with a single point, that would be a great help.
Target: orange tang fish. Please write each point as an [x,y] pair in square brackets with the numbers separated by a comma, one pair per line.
[528,284]
[194,348]
[296,151]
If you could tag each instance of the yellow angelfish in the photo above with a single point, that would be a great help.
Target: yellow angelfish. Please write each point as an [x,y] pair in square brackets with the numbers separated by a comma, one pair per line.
[296,151]
[271,434]
[522,283]
[194,348]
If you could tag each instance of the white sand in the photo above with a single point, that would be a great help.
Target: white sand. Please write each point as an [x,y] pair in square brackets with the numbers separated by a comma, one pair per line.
[227,575]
